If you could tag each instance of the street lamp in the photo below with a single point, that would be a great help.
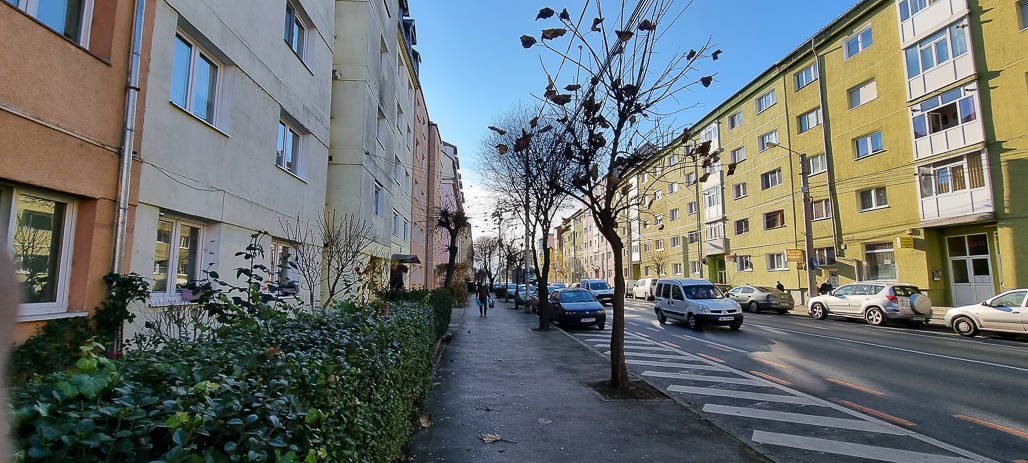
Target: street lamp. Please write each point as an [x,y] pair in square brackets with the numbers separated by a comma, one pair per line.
[807,213]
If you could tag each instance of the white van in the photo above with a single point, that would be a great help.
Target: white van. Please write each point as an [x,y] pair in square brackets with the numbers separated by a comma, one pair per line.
[695,301]
[643,289]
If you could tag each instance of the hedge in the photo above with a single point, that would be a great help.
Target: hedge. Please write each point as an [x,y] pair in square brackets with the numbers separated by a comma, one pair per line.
[344,386]
[441,300]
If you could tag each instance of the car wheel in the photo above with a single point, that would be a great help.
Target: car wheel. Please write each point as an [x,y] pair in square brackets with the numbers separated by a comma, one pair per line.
[661,317]
[693,323]
[735,326]
[874,316]
[599,326]
[753,307]
[964,326]
[818,312]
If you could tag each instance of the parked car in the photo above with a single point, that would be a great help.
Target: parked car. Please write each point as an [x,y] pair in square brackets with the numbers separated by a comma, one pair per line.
[724,288]
[523,294]
[643,289]
[572,306]
[695,301]
[600,289]
[755,298]
[1004,313]
[629,284]
[876,302]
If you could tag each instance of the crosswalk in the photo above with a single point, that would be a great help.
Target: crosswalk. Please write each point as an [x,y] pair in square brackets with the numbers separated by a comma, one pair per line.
[793,424]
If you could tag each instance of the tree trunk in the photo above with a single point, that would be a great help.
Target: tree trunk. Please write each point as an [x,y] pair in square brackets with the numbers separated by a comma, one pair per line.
[544,292]
[452,262]
[618,370]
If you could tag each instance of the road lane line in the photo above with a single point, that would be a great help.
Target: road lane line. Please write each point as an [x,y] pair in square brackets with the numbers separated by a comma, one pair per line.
[871,452]
[802,418]
[716,347]
[707,378]
[877,413]
[607,345]
[771,378]
[774,364]
[710,357]
[930,354]
[854,386]
[998,427]
[669,343]
[758,396]
[687,337]
[651,363]
[627,341]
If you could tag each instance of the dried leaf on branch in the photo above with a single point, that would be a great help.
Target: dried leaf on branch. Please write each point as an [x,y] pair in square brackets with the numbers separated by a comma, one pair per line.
[572,87]
[527,41]
[646,25]
[715,54]
[550,34]
[564,15]
[502,149]
[624,35]
[545,13]
[596,24]
[498,130]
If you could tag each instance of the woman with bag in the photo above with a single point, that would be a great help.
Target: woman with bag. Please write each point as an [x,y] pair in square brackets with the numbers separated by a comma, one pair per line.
[483,300]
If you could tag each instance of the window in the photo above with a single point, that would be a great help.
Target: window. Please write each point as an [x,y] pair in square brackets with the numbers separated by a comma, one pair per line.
[282,262]
[820,209]
[910,7]
[658,219]
[942,46]
[646,270]
[288,148]
[771,179]
[672,160]
[868,145]
[872,198]
[824,256]
[858,42]
[763,140]
[695,267]
[70,18]
[742,226]
[40,242]
[809,120]
[676,241]
[690,178]
[743,263]
[765,101]
[694,236]
[715,230]
[295,33]
[672,188]
[774,220]
[194,79]
[657,194]
[677,270]
[406,230]
[712,197]
[691,207]
[881,261]
[384,58]
[951,175]
[396,223]
[944,112]
[673,214]
[177,248]
[646,224]
[378,199]
[818,164]
[1022,8]
[735,120]
[863,93]
[739,154]
[660,245]
[646,177]
[646,247]
[739,190]
[806,76]
[776,262]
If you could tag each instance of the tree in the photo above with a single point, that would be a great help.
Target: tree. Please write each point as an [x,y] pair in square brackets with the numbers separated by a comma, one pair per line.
[609,117]
[487,250]
[454,223]
[659,259]
[329,253]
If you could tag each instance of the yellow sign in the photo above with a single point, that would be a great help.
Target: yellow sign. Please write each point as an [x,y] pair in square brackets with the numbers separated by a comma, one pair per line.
[794,255]
[906,242]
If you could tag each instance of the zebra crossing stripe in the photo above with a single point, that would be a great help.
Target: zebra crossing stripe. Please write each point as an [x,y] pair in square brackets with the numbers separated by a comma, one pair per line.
[635,347]
[708,378]
[870,452]
[658,356]
[685,366]
[802,418]
[759,396]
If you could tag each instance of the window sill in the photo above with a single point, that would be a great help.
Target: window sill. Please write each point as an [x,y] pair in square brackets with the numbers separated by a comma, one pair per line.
[820,219]
[194,116]
[869,155]
[167,300]
[86,50]
[863,104]
[814,174]
[291,173]
[50,316]
[768,107]
[740,197]
[873,209]
[778,270]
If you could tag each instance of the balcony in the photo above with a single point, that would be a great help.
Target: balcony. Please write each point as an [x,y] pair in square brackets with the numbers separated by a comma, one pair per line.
[956,190]
[947,122]
[939,60]
[714,246]
[919,18]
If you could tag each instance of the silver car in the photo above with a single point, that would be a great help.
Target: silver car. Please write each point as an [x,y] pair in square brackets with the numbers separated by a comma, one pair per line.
[755,298]
[876,302]
[1005,313]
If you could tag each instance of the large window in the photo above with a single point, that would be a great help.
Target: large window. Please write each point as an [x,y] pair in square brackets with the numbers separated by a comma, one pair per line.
[863,93]
[777,262]
[765,101]
[868,145]
[676,269]
[177,250]
[676,241]
[872,198]
[743,263]
[690,178]
[809,120]
[691,207]
[739,190]
[806,76]
[942,46]
[952,175]
[763,140]
[715,230]
[70,18]
[288,148]
[775,219]
[694,236]
[712,197]
[953,108]
[742,226]
[858,42]
[909,8]
[735,120]
[40,231]
[194,79]
[824,256]
[673,214]
[771,179]
[821,209]
[818,164]
[282,263]
[1022,9]
[881,261]
[295,33]
[672,188]
[739,154]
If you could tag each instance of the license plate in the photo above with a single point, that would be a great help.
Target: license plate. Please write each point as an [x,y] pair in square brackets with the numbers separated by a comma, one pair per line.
[726,319]
[587,320]
[918,319]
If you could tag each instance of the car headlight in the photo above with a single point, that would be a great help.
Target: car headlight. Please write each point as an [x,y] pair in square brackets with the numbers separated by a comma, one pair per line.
[704,309]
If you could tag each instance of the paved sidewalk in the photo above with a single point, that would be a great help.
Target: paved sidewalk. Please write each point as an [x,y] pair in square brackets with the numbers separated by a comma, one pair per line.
[498,376]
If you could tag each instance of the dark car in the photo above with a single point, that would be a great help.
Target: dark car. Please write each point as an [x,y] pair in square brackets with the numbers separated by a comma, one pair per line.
[576,307]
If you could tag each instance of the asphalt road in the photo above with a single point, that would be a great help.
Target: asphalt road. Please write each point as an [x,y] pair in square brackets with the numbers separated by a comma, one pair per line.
[798,389]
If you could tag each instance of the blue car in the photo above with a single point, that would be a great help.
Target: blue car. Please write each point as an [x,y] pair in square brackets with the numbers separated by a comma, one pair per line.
[577,307]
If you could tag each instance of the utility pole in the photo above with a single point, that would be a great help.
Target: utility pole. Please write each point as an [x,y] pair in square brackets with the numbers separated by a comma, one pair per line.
[808,229]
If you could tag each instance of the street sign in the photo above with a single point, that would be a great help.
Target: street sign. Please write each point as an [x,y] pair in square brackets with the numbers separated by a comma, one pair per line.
[906,242]
[794,255]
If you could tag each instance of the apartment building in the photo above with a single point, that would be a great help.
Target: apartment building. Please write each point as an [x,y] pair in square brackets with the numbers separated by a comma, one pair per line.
[64,107]
[421,213]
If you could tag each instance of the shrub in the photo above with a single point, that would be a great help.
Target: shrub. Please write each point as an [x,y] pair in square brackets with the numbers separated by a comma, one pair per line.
[440,300]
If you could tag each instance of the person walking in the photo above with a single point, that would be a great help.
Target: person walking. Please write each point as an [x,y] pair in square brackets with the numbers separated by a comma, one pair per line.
[780,287]
[483,300]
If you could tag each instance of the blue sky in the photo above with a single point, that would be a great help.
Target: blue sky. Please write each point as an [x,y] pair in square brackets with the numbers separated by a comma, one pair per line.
[473,67]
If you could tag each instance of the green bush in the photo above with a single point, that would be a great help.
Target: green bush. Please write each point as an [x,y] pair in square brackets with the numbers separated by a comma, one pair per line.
[343,386]
[440,300]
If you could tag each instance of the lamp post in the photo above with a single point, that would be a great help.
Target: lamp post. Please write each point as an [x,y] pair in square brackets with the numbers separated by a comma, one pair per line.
[807,213]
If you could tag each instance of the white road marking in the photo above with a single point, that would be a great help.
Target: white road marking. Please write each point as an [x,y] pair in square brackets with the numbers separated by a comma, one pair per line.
[802,418]
[634,347]
[883,346]
[658,356]
[733,349]
[759,396]
[627,341]
[685,366]
[854,450]
[707,378]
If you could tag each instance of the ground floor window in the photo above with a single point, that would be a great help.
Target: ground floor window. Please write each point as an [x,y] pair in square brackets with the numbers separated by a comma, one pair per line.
[881,261]
[177,249]
[743,264]
[777,261]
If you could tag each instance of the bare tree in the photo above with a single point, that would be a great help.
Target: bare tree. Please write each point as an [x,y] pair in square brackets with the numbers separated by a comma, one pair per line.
[329,255]
[454,223]
[659,259]
[609,117]
[487,251]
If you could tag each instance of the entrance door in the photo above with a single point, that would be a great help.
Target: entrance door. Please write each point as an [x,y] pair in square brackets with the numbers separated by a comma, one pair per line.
[971,278]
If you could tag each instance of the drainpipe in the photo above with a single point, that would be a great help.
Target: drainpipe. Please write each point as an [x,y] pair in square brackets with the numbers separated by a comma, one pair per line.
[825,140]
[128,140]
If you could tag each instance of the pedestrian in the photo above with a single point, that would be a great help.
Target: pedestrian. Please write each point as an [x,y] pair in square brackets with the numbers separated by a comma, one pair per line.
[780,287]
[483,300]
[825,287]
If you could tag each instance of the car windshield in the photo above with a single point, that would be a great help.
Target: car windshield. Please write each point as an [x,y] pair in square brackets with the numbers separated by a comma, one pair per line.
[599,285]
[905,291]
[766,289]
[576,296]
[702,292]
[559,285]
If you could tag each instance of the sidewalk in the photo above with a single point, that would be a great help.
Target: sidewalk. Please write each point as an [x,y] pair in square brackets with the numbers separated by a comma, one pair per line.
[498,376]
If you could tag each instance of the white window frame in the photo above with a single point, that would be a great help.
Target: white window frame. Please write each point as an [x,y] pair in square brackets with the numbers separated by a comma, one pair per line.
[676,241]
[275,255]
[776,262]
[693,236]
[31,7]
[817,164]
[712,197]
[780,213]
[297,45]
[692,208]
[42,310]
[381,129]
[176,235]
[859,37]
[820,210]
[771,179]
[868,89]
[676,268]
[690,178]
[196,52]
[802,79]
[739,155]
[745,222]
[930,47]
[824,256]
[922,114]
[659,245]
[735,120]
[809,120]
[396,223]
[672,188]
[695,267]
[296,148]
[744,263]
[869,139]
[764,139]
[1022,8]
[874,199]
[377,199]
[767,100]
[739,190]
[673,214]
[406,230]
